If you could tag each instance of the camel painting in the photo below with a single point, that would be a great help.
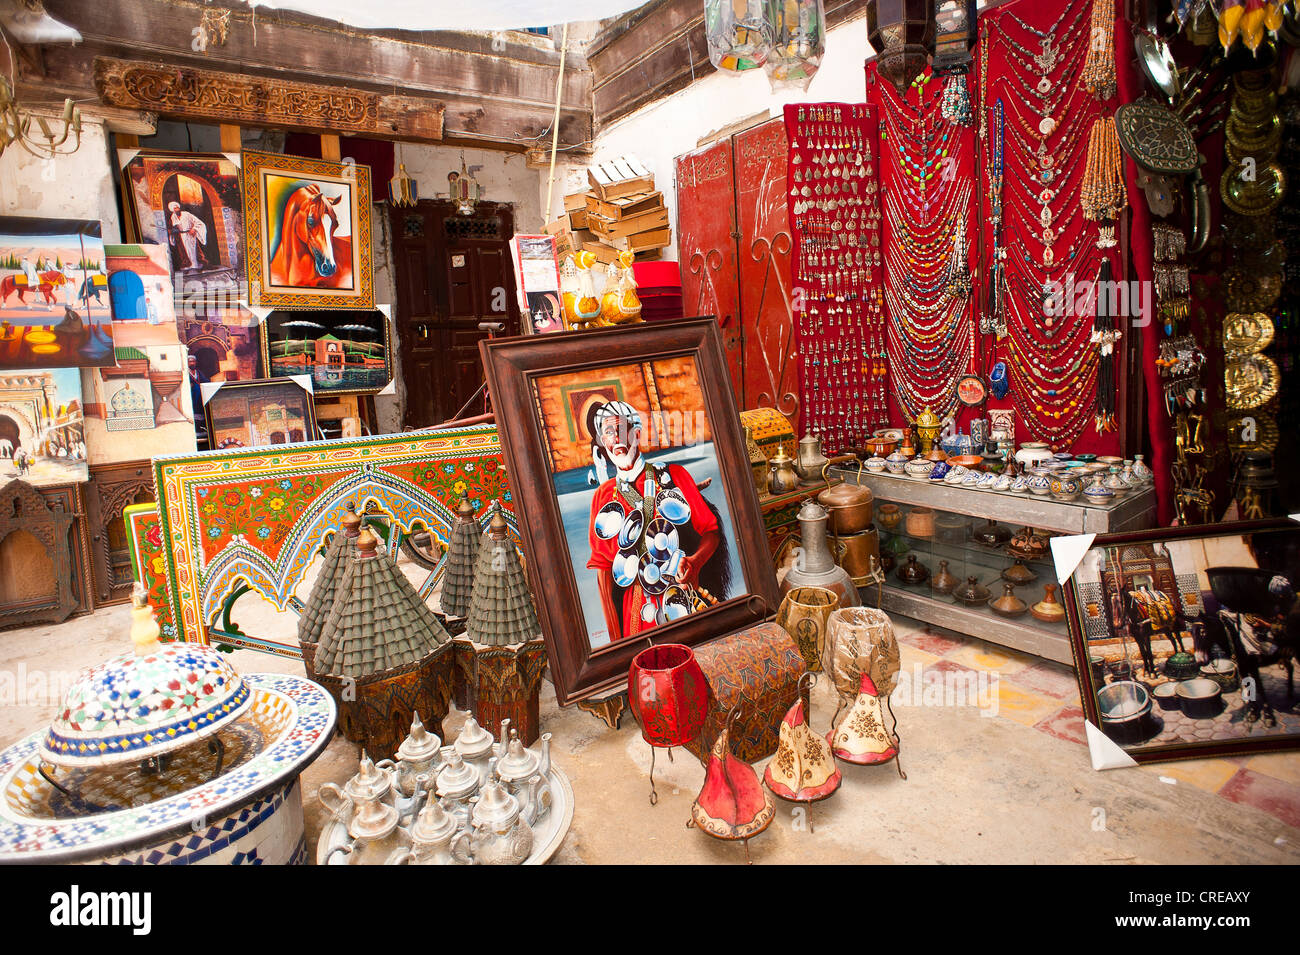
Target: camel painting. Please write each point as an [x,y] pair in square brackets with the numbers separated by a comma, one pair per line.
[53,310]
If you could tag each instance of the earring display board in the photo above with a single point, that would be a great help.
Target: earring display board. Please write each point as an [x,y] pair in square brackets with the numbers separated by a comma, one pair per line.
[834,208]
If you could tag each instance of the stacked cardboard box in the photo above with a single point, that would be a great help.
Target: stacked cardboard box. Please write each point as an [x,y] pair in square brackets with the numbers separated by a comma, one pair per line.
[620,212]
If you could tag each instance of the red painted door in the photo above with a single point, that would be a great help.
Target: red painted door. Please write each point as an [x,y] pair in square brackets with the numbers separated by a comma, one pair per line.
[706,247]
[771,372]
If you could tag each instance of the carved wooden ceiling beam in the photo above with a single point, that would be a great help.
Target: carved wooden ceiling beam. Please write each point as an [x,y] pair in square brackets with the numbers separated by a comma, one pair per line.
[188,93]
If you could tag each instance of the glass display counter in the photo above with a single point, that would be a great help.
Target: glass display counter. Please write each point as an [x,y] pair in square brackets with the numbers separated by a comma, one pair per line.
[979,561]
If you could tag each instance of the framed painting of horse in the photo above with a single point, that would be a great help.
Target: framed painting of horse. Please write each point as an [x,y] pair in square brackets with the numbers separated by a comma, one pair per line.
[1185,639]
[55,311]
[307,227]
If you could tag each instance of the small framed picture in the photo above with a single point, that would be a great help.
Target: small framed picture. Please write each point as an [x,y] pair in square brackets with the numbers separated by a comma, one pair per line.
[344,351]
[1184,639]
[260,413]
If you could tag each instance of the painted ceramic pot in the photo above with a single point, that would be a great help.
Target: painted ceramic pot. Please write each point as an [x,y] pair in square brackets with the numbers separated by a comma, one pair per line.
[1032,453]
[939,471]
[1097,492]
[875,464]
[1039,483]
[896,462]
[957,444]
[1049,609]
[913,572]
[668,694]
[1128,477]
[1141,471]
[920,522]
[918,468]
[1020,485]
[944,582]
[987,481]
[971,478]
[1008,605]
[803,614]
[889,516]
[956,475]
[972,593]
[1066,487]
[1118,486]
[1003,483]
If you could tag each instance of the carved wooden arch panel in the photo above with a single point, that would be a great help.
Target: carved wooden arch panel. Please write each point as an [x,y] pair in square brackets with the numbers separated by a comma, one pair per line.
[22,508]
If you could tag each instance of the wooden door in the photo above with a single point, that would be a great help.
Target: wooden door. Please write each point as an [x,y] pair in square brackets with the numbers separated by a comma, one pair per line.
[451,272]
[706,247]
[771,375]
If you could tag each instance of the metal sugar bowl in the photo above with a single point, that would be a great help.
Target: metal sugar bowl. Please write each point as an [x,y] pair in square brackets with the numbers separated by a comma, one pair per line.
[166,754]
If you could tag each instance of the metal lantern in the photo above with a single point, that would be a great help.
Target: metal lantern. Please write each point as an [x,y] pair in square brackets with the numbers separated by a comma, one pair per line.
[954,34]
[902,34]
[464,189]
[402,189]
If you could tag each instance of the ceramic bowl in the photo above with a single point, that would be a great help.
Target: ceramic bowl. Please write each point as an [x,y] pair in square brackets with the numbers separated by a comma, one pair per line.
[896,462]
[1201,699]
[1166,696]
[875,464]
[918,468]
[966,460]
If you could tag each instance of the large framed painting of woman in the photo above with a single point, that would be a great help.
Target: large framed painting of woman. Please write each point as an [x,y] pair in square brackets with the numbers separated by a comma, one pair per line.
[635,500]
[308,232]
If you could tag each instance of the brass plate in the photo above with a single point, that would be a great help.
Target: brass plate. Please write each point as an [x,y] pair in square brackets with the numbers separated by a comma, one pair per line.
[1246,333]
[1251,381]
[1266,434]
[1246,291]
[1256,197]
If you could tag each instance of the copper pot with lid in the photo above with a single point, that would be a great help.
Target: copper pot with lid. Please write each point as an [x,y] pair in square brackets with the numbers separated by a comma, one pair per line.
[849,507]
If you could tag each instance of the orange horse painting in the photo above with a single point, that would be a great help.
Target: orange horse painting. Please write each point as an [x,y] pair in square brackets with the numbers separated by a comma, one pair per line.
[310,254]
[49,282]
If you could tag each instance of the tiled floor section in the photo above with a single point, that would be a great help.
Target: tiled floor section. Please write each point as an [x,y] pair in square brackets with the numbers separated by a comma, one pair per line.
[1045,695]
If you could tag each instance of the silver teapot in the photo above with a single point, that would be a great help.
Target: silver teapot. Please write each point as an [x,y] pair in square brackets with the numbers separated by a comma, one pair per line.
[476,747]
[497,834]
[524,774]
[377,839]
[457,785]
[433,830]
[420,752]
[370,783]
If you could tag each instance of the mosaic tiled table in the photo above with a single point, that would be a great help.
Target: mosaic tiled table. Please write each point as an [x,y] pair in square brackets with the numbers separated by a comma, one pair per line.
[250,814]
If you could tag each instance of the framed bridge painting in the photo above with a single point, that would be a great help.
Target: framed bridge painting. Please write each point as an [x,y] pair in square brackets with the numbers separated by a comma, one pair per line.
[307,227]
[1185,639]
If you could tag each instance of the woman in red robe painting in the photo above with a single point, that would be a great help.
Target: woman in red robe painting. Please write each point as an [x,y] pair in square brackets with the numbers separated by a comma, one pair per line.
[615,428]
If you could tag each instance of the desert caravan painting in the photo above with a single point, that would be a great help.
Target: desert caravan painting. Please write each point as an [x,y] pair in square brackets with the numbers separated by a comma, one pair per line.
[55,311]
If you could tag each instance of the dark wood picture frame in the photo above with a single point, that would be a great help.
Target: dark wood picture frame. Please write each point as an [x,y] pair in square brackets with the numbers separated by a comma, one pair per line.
[287,385]
[511,365]
[1148,750]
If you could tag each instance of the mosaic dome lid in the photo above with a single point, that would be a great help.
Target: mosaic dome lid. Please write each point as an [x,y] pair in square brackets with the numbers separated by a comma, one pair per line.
[144,703]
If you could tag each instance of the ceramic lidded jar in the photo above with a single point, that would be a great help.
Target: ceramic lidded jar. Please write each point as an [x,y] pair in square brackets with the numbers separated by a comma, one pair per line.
[897,462]
[1040,482]
[144,703]
[918,468]
[913,572]
[1141,471]
[1117,485]
[1049,609]
[475,746]
[944,582]
[1097,492]
[1065,486]
[1008,605]
[972,593]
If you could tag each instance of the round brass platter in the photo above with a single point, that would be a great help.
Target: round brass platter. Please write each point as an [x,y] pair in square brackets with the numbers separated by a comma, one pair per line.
[1246,333]
[1266,435]
[1247,291]
[1253,197]
[1251,381]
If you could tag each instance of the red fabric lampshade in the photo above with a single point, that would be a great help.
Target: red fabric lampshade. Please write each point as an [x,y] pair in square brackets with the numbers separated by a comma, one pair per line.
[668,693]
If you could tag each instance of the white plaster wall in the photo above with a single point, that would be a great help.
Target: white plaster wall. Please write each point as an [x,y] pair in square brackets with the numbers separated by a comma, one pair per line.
[504,177]
[76,186]
[658,133]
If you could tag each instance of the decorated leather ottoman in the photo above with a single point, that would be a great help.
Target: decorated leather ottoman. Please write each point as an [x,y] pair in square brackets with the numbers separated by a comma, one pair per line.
[759,669]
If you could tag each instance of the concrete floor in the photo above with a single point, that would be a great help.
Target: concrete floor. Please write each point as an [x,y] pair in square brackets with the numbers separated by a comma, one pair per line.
[1013,786]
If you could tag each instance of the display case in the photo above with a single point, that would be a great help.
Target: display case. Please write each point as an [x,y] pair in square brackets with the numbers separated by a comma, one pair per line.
[928,529]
